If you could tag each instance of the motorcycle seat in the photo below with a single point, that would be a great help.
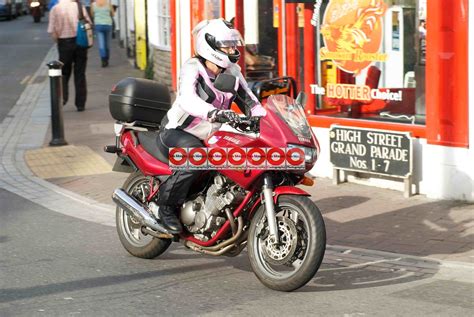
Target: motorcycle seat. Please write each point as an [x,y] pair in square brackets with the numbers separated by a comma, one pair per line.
[152,144]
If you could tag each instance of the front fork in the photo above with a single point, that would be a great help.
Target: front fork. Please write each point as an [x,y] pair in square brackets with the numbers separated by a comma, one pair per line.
[267,190]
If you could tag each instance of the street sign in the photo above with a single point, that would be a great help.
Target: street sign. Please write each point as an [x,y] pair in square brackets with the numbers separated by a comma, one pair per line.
[371,151]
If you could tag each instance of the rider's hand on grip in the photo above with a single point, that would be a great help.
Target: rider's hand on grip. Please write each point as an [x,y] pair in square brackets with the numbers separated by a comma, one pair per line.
[255,124]
[223,116]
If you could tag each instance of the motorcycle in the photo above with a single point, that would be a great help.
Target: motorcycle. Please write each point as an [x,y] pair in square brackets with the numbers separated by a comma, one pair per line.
[226,209]
[36,11]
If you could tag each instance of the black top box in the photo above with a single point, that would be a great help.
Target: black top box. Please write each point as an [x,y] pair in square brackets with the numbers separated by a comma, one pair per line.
[139,100]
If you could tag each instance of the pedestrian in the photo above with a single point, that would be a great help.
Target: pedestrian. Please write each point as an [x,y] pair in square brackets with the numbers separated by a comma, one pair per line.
[115,5]
[422,29]
[87,4]
[63,20]
[200,108]
[102,14]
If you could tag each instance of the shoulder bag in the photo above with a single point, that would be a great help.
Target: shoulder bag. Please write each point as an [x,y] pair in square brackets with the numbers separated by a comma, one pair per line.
[84,37]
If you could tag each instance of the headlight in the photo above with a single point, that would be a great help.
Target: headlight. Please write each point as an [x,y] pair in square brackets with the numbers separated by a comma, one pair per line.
[310,154]
[34,4]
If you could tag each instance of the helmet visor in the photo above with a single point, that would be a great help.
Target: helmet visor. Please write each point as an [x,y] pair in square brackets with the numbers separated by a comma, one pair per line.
[229,43]
[232,40]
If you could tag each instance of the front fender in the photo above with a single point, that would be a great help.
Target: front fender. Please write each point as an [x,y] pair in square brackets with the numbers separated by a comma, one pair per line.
[288,190]
[281,190]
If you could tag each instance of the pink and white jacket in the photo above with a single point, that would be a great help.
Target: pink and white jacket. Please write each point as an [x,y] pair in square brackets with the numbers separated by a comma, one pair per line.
[197,97]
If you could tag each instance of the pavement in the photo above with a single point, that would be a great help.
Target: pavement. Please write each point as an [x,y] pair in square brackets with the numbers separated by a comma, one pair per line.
[364,224]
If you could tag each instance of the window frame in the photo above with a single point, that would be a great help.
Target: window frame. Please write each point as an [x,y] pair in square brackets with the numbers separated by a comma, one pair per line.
[163,19]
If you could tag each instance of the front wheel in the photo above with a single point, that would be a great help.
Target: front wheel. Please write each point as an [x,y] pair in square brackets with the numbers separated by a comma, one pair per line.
[294,261]
[37,18]
[129,230]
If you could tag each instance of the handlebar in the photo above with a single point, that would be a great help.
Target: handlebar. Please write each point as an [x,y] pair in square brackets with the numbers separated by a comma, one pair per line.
[251,124]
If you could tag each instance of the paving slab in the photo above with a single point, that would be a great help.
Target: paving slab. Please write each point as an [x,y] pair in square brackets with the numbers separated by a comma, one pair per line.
[66,161]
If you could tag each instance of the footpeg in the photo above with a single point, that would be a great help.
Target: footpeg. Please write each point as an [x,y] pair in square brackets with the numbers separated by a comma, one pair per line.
[112,149]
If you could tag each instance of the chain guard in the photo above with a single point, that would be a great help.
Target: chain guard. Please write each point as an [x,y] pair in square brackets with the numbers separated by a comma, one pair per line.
[140,193]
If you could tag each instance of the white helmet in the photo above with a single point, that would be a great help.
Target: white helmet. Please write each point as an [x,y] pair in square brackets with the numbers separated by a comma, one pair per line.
[211,35]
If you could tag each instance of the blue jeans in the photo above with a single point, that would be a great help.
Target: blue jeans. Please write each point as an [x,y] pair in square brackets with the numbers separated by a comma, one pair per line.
[103,33]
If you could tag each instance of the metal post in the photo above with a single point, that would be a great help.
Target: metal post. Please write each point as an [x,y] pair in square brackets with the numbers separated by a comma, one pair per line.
[56,92]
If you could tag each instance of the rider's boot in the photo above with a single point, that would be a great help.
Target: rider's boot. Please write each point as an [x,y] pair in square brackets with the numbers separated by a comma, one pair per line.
[169,218]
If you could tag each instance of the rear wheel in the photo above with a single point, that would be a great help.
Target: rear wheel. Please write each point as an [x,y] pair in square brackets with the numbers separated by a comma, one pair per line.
[129,230]
[296,259]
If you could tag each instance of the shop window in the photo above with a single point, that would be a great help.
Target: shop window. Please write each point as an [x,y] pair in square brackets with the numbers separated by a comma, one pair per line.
[261,54]
[212,9]
[372,60]
[164,24]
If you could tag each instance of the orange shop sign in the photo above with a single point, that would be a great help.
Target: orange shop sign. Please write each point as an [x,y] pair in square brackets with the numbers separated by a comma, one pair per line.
[355,92]
[352,33]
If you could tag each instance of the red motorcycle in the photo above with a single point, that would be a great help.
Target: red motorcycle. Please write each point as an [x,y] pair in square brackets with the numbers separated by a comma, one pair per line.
[226,208]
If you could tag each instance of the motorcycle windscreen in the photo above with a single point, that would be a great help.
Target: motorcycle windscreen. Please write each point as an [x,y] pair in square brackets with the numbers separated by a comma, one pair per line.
[291,113]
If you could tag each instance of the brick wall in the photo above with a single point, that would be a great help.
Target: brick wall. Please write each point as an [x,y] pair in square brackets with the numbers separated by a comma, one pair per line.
[162,67]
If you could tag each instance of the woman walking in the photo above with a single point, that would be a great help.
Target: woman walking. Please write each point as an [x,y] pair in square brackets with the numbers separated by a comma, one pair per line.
[102,13]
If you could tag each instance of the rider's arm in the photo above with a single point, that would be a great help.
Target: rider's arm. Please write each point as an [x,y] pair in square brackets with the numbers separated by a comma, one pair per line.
[189,100]
[247,98]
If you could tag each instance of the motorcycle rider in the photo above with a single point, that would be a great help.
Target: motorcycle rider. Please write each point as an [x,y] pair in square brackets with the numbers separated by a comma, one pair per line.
[200,108]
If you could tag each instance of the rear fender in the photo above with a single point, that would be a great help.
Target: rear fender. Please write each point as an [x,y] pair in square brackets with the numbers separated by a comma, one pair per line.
[124,164]
[144,161]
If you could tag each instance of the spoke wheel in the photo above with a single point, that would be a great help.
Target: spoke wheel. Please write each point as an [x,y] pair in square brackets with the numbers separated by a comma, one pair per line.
[129,230]
[293,261]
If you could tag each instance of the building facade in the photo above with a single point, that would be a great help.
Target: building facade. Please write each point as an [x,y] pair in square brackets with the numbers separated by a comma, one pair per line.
[397,66]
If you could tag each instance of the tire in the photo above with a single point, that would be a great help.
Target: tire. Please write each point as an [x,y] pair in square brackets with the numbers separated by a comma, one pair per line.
[37,18]
[304,251]
[130,235]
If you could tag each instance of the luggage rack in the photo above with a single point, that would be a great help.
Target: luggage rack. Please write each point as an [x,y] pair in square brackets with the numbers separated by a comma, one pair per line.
[141,125]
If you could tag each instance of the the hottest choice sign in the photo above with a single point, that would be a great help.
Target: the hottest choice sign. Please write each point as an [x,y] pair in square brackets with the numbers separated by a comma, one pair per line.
[356,92]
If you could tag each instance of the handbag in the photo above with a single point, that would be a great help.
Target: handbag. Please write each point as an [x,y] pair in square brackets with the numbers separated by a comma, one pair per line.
[84,37]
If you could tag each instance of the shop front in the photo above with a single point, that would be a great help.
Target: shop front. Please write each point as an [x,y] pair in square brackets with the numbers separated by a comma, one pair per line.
[394,68]
[397,66]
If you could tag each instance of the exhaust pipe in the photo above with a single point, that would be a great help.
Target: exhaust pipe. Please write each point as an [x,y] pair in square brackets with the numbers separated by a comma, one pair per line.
[136,210]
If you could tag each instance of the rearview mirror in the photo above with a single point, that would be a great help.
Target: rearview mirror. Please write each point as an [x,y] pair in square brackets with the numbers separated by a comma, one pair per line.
[226,83]
[301,99]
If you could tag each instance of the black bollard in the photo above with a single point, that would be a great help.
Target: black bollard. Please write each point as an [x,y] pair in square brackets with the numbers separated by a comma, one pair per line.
[56,91]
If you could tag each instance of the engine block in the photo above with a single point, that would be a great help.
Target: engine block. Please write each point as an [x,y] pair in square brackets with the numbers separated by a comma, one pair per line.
[203,216]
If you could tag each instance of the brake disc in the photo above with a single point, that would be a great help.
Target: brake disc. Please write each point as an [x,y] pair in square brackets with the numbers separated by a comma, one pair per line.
[281,253]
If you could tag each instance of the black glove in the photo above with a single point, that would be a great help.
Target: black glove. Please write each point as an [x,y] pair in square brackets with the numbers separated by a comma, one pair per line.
[223,116]
[255,119]
[255,123]
[250,125]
